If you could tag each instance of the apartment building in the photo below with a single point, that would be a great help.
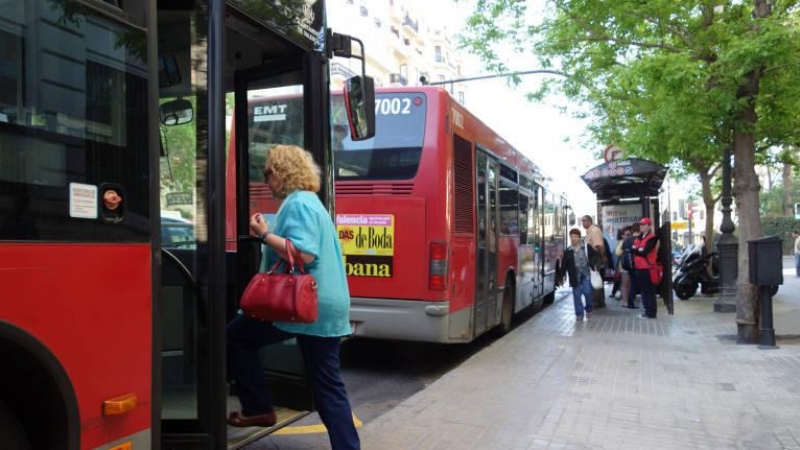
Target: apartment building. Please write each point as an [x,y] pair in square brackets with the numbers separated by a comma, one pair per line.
[404,46]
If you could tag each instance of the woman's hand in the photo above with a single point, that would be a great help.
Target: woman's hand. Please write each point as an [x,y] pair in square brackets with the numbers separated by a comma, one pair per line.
[258,225]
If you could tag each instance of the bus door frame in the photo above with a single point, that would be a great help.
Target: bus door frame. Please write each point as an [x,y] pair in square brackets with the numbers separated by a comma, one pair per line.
[487,212]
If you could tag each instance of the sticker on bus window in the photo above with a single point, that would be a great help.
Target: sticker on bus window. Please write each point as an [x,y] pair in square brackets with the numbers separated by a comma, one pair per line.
[83,201]
[367,244]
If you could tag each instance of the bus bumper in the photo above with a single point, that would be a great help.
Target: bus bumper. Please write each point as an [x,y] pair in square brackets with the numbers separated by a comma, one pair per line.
[406,320]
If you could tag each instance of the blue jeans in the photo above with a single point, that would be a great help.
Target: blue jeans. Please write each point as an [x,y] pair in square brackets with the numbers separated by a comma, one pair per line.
[247,336]
[584,287]
[797,263]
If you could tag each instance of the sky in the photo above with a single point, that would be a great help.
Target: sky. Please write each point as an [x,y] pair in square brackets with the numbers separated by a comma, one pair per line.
[548,136]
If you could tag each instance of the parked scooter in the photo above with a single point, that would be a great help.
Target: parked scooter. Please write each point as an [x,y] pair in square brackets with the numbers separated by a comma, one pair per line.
[692,271]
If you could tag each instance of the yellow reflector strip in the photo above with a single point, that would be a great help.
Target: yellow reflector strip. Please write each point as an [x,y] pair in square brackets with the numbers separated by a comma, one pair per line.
[124,446]
[119,405]
[314,429]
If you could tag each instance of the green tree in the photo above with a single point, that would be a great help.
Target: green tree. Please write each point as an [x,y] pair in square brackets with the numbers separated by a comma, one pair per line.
[671,80]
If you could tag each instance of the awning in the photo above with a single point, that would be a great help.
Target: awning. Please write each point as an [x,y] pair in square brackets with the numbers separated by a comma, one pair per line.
[625,178]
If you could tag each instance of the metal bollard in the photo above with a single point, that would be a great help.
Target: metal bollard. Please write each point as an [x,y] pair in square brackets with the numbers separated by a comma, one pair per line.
[765,323]
[765,265]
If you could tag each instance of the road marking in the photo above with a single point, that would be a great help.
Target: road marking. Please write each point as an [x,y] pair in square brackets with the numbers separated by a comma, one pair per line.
[313,429]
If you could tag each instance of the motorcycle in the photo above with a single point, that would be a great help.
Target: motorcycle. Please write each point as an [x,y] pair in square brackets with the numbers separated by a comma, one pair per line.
[692,271]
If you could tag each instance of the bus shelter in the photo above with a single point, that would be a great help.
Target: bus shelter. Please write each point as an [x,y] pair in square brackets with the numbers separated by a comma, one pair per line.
[627,190]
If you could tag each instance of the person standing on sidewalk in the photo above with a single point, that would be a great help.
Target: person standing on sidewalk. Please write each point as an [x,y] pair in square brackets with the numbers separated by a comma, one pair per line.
[595,240]
[624,270]
[796,236]
[644,256]
[627,261]
[576,265]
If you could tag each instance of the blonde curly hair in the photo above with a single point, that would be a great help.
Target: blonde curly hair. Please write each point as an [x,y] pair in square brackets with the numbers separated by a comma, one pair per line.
[294,170]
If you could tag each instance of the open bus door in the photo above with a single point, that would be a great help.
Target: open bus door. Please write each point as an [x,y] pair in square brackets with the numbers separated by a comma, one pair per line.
[201,279]
[213,57]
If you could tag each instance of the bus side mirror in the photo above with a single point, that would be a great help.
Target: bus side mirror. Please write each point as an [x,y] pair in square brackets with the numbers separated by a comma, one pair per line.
[176,112]
[359,100]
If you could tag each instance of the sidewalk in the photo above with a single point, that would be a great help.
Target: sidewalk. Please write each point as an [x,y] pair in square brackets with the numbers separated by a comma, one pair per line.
[614,382]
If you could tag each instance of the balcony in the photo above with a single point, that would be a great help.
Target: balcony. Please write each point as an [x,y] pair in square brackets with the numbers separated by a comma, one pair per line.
[396,78]
[411,23]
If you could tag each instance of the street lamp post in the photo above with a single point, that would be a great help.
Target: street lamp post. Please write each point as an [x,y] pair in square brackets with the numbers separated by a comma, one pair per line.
[728,246]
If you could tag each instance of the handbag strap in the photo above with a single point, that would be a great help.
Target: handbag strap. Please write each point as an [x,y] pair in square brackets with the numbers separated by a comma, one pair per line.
[294,255]
[291,254]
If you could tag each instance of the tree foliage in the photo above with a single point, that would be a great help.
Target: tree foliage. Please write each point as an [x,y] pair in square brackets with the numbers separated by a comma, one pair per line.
[675,81]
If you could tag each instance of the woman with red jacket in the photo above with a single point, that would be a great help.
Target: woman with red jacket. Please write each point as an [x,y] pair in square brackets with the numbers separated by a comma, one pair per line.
[644,256]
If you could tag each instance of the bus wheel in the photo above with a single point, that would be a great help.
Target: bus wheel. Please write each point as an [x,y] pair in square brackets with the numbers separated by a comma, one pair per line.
[12,435]
[549,298]
[508,310]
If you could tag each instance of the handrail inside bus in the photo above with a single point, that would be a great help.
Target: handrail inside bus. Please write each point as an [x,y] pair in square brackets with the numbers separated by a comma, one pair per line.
[187,275]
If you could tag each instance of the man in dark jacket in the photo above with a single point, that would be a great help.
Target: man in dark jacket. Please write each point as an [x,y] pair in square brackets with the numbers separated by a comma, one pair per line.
[576,265]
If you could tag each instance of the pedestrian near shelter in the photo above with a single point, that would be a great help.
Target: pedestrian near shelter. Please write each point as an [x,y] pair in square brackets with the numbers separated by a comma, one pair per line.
[627,190]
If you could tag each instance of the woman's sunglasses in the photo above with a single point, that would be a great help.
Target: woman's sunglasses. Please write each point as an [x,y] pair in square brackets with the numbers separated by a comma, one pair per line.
[267,174]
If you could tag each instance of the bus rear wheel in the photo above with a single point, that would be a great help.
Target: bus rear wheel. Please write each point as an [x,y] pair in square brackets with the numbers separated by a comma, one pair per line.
[508,310]
[12,435]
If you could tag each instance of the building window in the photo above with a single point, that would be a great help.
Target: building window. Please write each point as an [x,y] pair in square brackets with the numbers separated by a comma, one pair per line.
[363,11]
[437,53]
[377,23]
[461,97]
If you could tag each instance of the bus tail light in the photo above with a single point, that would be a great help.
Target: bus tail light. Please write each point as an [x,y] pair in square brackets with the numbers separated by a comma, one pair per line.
[119,405]
[437,278]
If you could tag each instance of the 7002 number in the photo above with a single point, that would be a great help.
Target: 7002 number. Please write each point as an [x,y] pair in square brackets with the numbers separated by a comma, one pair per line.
[392,106]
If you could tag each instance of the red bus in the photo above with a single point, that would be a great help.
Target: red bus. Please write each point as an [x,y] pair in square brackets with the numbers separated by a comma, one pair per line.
[447,229]
[110,112]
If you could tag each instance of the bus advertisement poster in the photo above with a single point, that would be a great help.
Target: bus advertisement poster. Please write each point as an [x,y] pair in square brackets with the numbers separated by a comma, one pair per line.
[367,242]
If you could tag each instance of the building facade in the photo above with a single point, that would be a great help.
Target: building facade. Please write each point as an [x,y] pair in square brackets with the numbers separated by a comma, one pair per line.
[402,47]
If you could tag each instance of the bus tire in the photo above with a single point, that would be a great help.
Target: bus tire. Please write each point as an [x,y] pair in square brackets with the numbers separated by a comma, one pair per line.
[549,298]
[508,310]
[12,435]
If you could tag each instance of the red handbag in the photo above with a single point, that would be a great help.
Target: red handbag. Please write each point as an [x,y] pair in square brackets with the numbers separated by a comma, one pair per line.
[282,296]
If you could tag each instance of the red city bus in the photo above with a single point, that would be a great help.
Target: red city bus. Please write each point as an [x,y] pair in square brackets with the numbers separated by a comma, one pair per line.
[112,319]
[446,228]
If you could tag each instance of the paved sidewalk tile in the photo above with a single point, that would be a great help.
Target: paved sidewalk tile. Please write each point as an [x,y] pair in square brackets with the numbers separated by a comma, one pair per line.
[613,382]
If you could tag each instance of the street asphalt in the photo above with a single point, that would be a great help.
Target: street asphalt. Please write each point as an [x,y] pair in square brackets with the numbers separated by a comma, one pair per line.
[614,381]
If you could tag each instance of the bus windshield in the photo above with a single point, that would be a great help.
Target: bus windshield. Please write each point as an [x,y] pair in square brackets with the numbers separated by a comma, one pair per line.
[394,152]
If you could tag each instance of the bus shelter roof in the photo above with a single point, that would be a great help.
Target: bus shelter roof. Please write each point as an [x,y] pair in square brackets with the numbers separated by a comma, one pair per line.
[625,178]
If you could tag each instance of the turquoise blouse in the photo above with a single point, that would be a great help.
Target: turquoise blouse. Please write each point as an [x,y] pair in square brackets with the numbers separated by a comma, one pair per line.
[303,218]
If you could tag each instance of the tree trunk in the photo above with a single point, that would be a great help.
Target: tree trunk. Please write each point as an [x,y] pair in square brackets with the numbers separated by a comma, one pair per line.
[788,189]
[745,191]
[709,203]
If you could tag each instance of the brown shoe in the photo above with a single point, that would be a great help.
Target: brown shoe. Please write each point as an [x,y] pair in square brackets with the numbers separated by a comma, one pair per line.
[236,419]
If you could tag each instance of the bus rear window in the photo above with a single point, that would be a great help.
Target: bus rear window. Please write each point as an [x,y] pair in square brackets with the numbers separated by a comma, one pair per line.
[274,119]
[394,152]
